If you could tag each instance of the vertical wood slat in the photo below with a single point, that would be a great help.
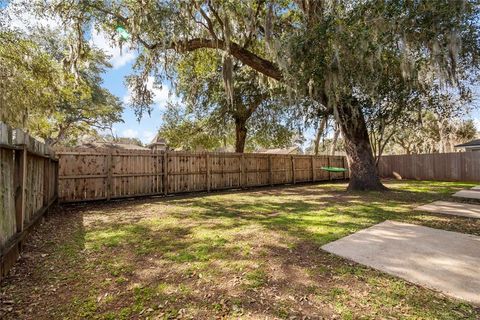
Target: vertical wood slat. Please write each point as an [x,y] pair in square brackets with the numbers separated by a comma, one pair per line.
[208,174]
[243,177]
[20,181]
[270,170]
[328,165]
[165,173]
[294,180]
[109,167]
[45,182]
[313,167]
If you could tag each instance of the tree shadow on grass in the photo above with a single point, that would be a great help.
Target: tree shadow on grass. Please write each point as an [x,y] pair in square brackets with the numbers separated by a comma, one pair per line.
[252,254]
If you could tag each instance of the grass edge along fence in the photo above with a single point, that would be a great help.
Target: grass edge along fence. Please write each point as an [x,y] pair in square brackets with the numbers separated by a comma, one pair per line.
[28,187]
[455,166]
[104,174]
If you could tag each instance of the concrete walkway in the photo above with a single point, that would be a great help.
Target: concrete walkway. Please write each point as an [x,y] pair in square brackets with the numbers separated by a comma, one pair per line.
[452,208]
[468,194]
[476,188]
[441,260]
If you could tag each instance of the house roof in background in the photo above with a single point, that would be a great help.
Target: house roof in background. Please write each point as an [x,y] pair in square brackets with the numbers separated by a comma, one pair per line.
[111,145]
[473,143]
[280,150]
[157,140]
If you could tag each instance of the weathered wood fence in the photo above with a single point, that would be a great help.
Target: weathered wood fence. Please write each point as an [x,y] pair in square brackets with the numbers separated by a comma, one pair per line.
[92,174]
[459,166]
[28,187]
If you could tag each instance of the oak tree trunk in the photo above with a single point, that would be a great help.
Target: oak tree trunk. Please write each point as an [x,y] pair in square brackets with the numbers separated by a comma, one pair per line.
[240,135]
[363,172]
[334,141]
[320,130]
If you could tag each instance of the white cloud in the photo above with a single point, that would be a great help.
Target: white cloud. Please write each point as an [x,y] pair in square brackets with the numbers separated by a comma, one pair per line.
[147,136]
[161,96]
[477,123]
[19,15]
[118,58]
[130,133]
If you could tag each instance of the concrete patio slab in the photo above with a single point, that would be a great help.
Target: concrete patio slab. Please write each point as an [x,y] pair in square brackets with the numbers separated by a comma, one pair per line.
[452,208]
[440,260]
[476,188]
[468,194]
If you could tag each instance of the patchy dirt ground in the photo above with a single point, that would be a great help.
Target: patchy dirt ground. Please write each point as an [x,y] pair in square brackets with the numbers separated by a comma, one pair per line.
[252,255]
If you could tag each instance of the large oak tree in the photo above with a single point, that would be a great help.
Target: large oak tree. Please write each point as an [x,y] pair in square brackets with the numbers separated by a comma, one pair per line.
[333,52]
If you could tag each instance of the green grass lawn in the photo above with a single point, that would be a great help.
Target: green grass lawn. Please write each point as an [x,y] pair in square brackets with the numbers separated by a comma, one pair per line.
[252,254]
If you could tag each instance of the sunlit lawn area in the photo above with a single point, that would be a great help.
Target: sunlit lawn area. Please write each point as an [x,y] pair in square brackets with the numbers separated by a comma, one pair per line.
[250,254]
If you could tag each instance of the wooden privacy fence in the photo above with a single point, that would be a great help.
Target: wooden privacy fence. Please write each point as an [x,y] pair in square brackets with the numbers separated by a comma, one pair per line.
[28,187]
[459,166]
[92,174]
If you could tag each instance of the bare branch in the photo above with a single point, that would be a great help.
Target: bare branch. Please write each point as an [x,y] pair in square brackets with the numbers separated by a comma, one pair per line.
[209,23]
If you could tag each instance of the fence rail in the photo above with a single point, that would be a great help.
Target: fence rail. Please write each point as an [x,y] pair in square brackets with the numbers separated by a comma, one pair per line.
[93,174]
[459,166]
[28,187]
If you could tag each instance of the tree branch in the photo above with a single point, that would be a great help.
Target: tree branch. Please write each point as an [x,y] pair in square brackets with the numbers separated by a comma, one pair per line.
[209,23]
[249,58]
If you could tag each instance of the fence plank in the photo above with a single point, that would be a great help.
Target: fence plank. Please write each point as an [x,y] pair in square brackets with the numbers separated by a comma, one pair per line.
[313,168]
[20,180]
[108,184]
[165,173]
[293,170]
[207,171]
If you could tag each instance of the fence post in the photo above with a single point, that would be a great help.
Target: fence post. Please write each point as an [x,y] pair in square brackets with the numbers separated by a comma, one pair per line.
[208,173]
[242,171]
[56,168]
[109,165]
[313,168]
[270,170]
[20,178]
[46,166]
[293,169]
[165,172]
[46,174]
[328,165]
[155,169]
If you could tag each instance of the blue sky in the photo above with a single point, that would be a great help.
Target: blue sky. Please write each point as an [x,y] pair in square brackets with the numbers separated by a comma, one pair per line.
[114,80]
[148,125]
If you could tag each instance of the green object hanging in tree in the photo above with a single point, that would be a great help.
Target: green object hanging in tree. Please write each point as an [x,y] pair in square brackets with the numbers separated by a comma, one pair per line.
[333,169]
[124,35]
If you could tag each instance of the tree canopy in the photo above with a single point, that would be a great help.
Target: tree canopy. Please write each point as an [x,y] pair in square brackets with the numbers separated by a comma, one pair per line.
[55,104]
[349,57]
